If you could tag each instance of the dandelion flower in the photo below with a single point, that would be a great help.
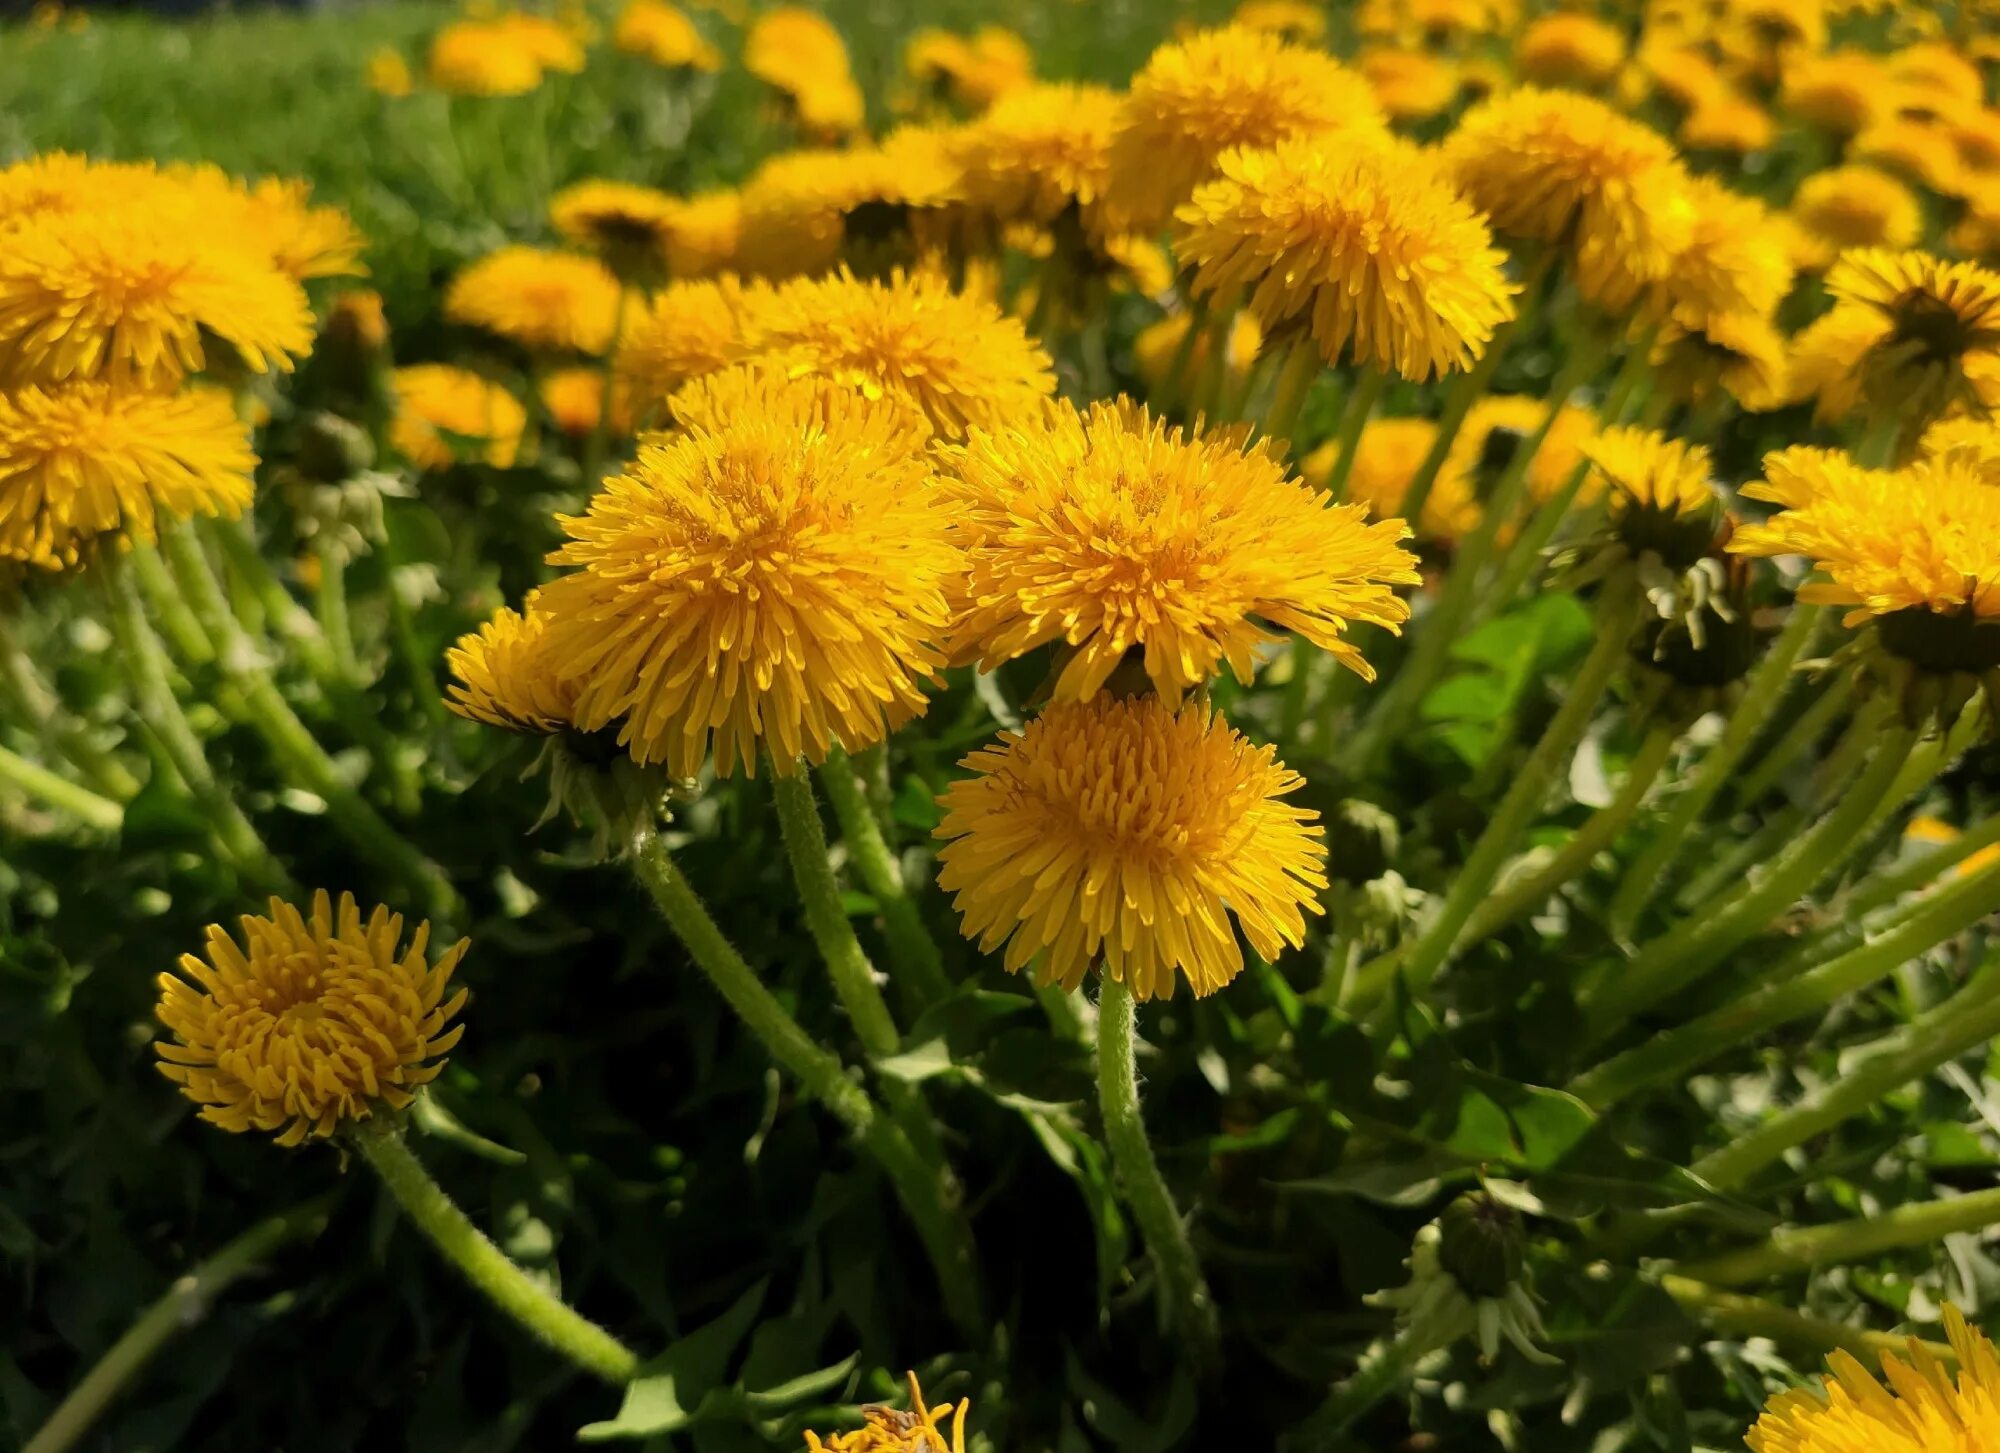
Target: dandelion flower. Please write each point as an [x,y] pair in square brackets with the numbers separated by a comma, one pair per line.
[686,330]
[1039,151]
[1658,492]
[1410,85]
[702,233]
[1740,353]
[774,571]
[801,56]
[1199,98]
[920,1429]
[1386,459]
[59,182]
[617,220]
[309,1024]
[1855,206]
[1683,74]
[1843,91]
[1736,260]
[574,399]
[482,58]
[1569,49]
[540,299]
[957,358]
[1125,832]
[388,74]
[1111,532]
[504,675]
[91,459]
[1922,151]
[1293,20]
[1496,425]
[1973,439]
[801,207]
[1910,336]
[275,215]
[1731,123]
[1363,241]
[973,72]
[662,34]
[439,406]
[1159,345]
[1939,67]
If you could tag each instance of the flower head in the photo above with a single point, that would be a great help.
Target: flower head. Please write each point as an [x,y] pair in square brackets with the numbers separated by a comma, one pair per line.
[1199,98]
[1039,151]
[663,34]
[801,207]
[973,72]
[1112,532]
[1855,206]
[388,74]
[686,330]
[800,55]
[1121,831]
[1386,459]
[1922,151]
[702,233]
[1410,85]
[1364,242]
[574,399]
[1658,490]
[1728,122]
[616,220]
[505,676]
[1740,353]
[537,298]
[93,459]
[1910,335]
[483,58]
[1842,91]
[310,1023]
[439,406]
[275,215]
[774,571]
[1736,259]
[918,1429]
[1496,426]
[1569,49]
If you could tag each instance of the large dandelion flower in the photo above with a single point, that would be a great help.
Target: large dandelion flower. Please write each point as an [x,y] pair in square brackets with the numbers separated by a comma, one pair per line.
[440,407]
[1363,241]
[1124,832]
[686,330]
[505,676]
[1113,533]
[1922,1410]
[959,359]
[1041,150]
[90,459]
[1910,336]
[1218,90]
[308,1024]
[540,299]
[1855,206]
[775,571]
[1736,259]
[1567,170]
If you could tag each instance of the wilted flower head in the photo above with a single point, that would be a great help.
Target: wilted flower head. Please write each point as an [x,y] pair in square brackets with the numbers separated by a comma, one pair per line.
[310,1023]
[1040,151]
[1111,532]
[663,34]
[505,676]
[1569,49]
[1122,831]
[440,406]
[540,299]
[1363,242]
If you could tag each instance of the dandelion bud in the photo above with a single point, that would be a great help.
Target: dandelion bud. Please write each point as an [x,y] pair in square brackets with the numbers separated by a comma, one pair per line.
[1483,1244]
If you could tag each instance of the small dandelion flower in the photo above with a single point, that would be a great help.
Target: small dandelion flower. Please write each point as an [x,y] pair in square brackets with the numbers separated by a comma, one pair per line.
[574,399]
[1123,832]
[441,408]
[388,74]
[918,1429]
[1921,151]
[1364,242]
[276,216]
[1731,123]
[800,55]
[1974,439]
[1741,354]
[1040,151]
[90,459]
[504,675]
[616,220]
[1658,492]
[1683,74]
[973,72]
[1496,425]
[662,34]
[1855,206]
[1292,20]
[540,299]
[1112,532]
[1938,67]
[1410,85]
[1569,49]
[1843,91]
[1910,336]
[481,58]
[688,329]
[310,1023]
[1386,460]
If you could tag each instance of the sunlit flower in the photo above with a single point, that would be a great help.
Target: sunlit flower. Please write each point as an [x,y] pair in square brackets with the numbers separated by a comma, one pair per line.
[1569,49]
[1199,98]
[388,74]
[1410,85]
[1293,20]
[1437,24]
[1973,439]
[1111,532]
[574,399]
[1743,354]
[1495,426]
[919,1429]
[775,571]
[440,407]
[1938,66]
[802,208]
[274,215]
[1683,74]
[663,34]
[1363,241]
[540,299]
[973,72]
[1730,122]
[1856,206]
[309,1024]
[1657,491]
[483,58]
[1736,259]
[1041,150]
[957,358]
[702,233]
[1843,91]
[89,459]
[799,54]
[1568,170]
[619,221]
[58,182]
[686,330]
[1123,832]
[556,44]
[504,675]
[1386,460]
[1920,150]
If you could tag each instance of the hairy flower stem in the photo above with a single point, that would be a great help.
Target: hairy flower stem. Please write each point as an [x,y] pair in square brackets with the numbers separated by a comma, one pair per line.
[1353,421]
[186,1302]
[1798,738]
[1184,1294]
[100,814]
[918,964]
[1798,1248]
[941,1226]
[1386,1367]
[1752,711]
[1617,617]
[546,1317]
[1667,1058]
[1740,1316]
[1288,397]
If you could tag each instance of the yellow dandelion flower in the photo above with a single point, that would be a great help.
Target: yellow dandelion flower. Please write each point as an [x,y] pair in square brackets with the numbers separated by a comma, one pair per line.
[58,182]
[1292,20]
[1365,242]
[802,207]
[1730,122]
[1740,353]
[130,294]
[503,674]
[1842,91]
[1973,439]
[1938,66]
[388,74]
[574,399]
[1657,490]
[686,330]
[1199,98]
[1495,426]
[1386,459]
[1569,49]
[276,216]
[775,571]
[615,219]
[440,407]
[1437,24]
[1568,170]
[540,299]
[1158,345]
[801,56]
[482,58]
[1855,206]
[1919,150]
[1683,74]
[702,233]
[662,34]
[90,459]
[956,358]
[1041,150]
[1976,135]
[309,1024]
[1736,260]
[919,1429]
[973,72]
[1910,335]
[1123,832]
[1410,85]
[1111,532]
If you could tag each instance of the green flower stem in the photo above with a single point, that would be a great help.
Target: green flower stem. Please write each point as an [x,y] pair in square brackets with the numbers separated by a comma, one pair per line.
[302,633]
[1741,1316]
[100,814]
[294,747]
[1701,941]
[186,1302]
[1617,617]
[1184,1293]
[1668,1057]
[1924,868]
[942,1228]
[170,608]
[63,738]
[1354,418]
[1959,1025]
[1525,555]
[161,717]
[918,964]
[1597,833]
[1761,693]
[1634,370]
[541,1314]
[1806,729]
[1301,368]
[1386,1368]
[330,604]
[1800,1248]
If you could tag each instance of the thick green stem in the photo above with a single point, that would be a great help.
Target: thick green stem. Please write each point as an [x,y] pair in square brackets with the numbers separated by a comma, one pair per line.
[1353,422]
[184,1304]
[1806,729]
[302,633]
[946,1237]
[184,633]
[1184,1294]
[1173,383]
[919,966]
[542,1315]
[1761,693]
[1800,1248]
[1742,1316]
[100,814]
[63,738]
[1387,1367]
[330,600]
[1668,1057]
[1433,948]
[1288,397]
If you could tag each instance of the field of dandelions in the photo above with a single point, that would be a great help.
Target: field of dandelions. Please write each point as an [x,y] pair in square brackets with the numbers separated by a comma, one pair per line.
[1037,728]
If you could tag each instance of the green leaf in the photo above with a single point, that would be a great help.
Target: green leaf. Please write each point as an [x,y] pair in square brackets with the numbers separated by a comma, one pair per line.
[675,1388]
